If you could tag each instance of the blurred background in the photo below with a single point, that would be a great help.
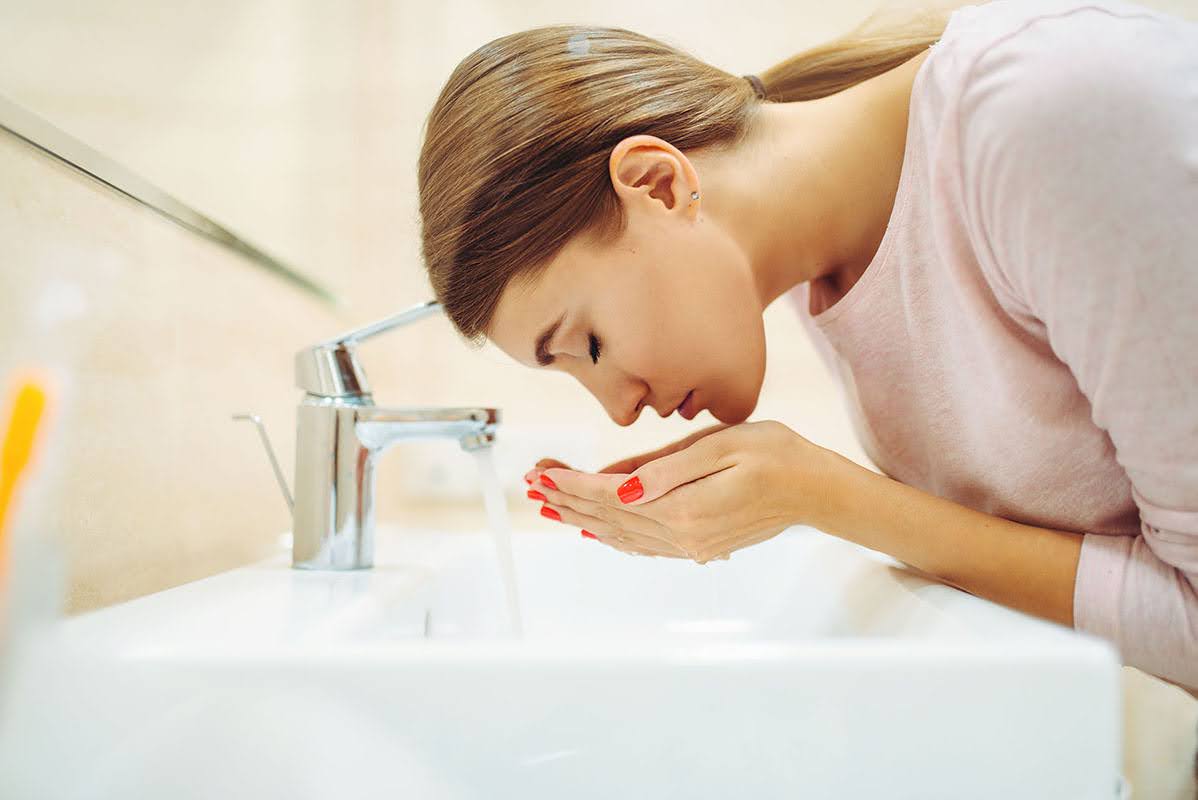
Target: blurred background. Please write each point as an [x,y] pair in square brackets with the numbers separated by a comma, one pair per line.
[297,124]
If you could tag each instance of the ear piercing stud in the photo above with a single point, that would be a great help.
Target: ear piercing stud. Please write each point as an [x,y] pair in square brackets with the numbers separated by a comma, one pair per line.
[694,196]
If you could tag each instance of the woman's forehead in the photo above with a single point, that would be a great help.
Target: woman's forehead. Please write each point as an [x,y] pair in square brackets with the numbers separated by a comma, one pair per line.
[526,306]
[536,298]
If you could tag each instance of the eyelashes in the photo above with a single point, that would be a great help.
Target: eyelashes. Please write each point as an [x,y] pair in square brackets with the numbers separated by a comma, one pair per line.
[595,348]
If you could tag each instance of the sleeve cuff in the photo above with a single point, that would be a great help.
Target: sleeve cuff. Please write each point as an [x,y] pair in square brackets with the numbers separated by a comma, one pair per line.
[1099,585]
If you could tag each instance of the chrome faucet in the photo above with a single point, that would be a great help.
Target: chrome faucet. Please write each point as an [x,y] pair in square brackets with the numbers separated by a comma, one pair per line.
[340,433]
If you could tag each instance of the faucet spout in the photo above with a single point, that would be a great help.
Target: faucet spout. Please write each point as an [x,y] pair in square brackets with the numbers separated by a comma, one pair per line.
[340,433]
[379,428]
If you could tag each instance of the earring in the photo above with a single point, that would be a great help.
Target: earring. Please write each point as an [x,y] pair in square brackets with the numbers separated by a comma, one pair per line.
[694,196]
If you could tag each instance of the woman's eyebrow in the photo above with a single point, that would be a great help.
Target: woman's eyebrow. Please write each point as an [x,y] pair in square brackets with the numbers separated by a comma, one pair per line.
[541,352]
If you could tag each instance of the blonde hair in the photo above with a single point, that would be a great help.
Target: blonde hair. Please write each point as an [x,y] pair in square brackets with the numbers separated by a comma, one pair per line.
[515,156]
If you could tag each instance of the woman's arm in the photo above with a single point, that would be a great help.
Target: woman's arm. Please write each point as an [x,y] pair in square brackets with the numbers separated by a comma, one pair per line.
[1079,184]
[1021,566]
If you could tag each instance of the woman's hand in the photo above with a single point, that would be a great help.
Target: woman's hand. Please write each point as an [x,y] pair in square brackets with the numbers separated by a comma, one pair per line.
[621,467]
[626,465]
[721,489]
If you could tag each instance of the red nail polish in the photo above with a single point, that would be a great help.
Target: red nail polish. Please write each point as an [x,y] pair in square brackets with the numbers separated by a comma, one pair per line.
[535,495]
[528,480]
[546,511]
[630,490]
[545,480]
[589,535]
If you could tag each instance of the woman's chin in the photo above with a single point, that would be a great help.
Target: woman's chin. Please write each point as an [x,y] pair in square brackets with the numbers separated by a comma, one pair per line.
[731,416]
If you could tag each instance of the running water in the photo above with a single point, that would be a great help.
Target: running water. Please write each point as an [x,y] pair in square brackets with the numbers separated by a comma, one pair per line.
[501,531]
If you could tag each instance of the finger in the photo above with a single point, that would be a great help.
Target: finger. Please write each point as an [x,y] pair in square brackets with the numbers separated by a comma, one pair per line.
[615,518]
[627,465]
[609,517]
[624,546]
[633,463]
[704,457]
[598,495]
[610,535]
[532,474]
[594,486]
[568,516]
[722,548]
[621,542]
[683,443]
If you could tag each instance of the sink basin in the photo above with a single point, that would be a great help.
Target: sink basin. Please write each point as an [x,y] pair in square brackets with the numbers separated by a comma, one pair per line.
[805,666]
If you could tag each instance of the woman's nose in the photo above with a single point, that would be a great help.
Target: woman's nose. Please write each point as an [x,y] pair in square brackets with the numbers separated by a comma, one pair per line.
[622,401]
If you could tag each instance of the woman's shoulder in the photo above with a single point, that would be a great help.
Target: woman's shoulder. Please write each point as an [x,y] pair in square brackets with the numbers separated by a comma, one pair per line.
[1056,105]
[984,25]
[1070,130]
[1062,73]
[1044,74]
[1043,46]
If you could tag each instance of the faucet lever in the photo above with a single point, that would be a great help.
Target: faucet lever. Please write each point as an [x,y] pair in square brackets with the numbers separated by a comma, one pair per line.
[270,451]
[331,369]
[405,317]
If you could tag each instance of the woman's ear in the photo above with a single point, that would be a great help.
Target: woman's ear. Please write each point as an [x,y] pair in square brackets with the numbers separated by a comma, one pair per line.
[651,173]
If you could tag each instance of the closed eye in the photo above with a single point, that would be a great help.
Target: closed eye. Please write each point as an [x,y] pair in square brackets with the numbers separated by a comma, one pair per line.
[595,348]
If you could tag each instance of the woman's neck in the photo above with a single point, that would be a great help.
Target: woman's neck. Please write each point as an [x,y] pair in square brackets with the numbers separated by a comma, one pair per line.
[809,193]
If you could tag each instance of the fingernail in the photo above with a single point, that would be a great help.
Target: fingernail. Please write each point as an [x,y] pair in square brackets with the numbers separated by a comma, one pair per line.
[530,476]
[546,511]
[630,490]
[535,495]
[589,535]
[545,480]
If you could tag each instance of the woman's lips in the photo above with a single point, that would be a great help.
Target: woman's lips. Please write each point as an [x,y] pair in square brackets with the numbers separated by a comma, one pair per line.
[687,408]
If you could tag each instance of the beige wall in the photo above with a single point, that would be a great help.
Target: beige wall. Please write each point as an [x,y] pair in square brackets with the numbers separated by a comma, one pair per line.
[152,338]
[298,123]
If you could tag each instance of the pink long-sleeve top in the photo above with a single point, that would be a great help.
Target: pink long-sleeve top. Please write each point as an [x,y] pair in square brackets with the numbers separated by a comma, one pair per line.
[1025,340]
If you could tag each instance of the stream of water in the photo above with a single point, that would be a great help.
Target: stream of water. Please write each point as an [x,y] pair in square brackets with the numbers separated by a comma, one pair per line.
[501,532]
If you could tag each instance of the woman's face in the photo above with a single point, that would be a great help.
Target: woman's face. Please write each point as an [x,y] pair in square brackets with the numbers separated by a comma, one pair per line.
[666,309]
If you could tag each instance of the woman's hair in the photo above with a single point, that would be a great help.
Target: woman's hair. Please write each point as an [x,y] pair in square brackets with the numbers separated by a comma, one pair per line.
[516,149]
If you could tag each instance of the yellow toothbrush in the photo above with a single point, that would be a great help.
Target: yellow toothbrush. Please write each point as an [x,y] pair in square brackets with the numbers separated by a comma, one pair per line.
[18,446]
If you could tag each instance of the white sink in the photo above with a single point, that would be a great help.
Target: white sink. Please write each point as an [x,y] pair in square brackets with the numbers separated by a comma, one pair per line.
[802,667]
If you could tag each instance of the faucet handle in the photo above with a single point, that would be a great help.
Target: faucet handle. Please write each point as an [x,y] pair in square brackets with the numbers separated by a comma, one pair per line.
[408,315]
[331,368]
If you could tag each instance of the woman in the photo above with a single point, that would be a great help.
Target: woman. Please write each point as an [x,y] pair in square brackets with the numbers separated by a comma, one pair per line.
[988,225]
